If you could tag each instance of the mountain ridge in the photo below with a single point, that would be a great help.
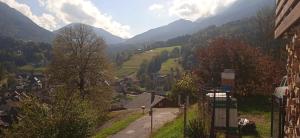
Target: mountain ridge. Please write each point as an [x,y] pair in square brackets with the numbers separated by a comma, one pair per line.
[244,8]
[16,25]
[107,36]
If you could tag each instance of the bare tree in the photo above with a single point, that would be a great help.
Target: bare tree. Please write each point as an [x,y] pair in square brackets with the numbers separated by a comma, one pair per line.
[78,60]
[265,21]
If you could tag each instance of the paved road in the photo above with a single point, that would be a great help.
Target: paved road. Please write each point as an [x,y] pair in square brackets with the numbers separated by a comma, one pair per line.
[141,127]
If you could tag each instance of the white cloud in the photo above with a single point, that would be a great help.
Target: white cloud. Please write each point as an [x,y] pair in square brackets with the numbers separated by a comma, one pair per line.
[194,9]
[62,12]
[45,20]
[41,2]
[156,7]
[84,11]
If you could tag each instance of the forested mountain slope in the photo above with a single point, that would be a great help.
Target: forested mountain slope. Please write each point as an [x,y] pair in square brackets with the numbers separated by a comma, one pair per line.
[15,24]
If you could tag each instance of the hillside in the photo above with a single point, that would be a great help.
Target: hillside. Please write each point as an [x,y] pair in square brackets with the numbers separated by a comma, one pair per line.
[133,64]
[16,25]
[107,36]
[239,10]
[172,63]
[20,55]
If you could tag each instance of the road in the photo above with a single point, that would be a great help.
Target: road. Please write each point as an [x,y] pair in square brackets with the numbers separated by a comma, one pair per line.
[141,127]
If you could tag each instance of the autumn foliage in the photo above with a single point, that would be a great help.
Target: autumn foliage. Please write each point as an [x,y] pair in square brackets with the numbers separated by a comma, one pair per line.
[255,71]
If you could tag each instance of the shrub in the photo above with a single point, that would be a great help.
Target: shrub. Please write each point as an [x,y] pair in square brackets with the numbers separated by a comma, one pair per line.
[66,115]
[196,129]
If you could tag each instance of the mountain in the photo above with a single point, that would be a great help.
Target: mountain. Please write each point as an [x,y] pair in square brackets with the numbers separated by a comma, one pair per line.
[16,25]
[107,36]
[174,29]
[238,10]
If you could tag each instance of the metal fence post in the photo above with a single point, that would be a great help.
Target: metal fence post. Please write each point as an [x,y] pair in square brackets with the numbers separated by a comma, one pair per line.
[212,129]
[283,114]
[272,115]
[227,114]
[280,118]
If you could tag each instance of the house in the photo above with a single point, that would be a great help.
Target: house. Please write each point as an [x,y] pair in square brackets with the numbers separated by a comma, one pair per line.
[29,81]
[144,99]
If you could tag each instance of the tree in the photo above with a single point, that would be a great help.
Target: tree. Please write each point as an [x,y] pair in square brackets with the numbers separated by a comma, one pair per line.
[78,60]
[148,71]
[265,22]
[81,94]
[2,72]
[164,55]
[255,71]
[186,86]
[175,53]
[142,73]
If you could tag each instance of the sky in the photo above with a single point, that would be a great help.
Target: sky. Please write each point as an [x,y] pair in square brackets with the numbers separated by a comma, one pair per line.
[123,18]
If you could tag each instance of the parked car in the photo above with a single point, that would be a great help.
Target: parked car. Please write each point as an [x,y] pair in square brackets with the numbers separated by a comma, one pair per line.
[282,88]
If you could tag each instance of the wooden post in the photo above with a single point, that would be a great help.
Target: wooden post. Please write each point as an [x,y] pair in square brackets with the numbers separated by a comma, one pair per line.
[179,100]
[186,103]
[151,111]
[184,120]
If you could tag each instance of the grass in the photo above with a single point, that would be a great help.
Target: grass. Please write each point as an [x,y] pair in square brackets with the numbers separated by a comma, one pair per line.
[133,64]
[3,82]
[29,68]
[174,129]
[170,63]
[117,126]
[257,108]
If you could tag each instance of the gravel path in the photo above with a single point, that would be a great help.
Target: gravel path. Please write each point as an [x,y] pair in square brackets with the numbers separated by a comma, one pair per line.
[141,127]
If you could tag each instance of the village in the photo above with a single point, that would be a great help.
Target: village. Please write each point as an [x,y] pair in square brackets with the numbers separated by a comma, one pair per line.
[233,71]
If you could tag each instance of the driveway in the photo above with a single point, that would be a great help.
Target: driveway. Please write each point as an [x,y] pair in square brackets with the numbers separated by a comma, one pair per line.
[141,127]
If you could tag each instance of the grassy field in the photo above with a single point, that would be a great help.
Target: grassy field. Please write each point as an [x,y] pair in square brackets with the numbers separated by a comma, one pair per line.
[132,65]
[118,125]
[174,129]
[258,109]
[170,63]
[29,68]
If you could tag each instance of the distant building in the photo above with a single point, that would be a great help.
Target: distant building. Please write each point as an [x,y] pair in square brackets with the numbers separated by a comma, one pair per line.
[137,51]
[144,99]
[29,81]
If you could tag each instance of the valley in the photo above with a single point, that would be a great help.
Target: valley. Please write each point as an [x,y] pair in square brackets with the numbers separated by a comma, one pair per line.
[93,76]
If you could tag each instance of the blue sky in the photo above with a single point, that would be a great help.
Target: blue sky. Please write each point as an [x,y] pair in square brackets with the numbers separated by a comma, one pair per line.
[135,13]
[124,18]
